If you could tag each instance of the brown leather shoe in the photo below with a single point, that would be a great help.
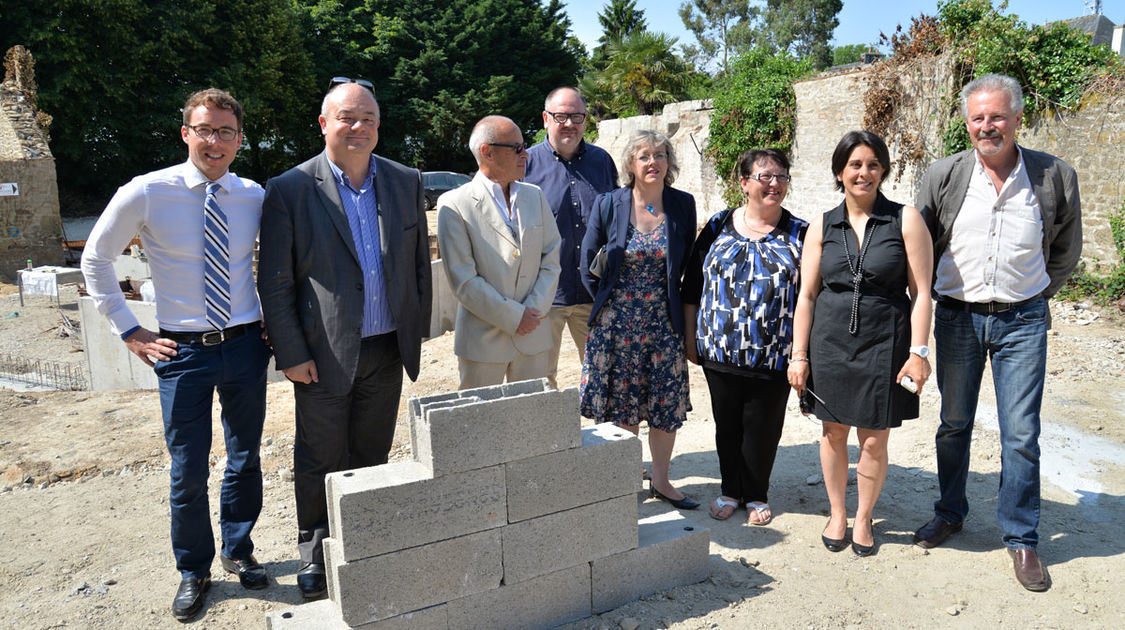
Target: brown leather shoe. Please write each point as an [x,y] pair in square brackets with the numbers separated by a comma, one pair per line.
[1030,572]
[935,532]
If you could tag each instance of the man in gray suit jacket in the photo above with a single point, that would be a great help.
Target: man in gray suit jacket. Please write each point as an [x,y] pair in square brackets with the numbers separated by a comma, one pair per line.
[500,247]
[1007,228]
[344,281]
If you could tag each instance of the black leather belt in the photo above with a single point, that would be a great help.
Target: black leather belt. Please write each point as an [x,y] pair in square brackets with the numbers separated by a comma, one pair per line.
[210,338]
[982,308]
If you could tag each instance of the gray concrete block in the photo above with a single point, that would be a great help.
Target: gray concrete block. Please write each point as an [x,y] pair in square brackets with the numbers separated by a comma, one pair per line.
[482,434]
[542,602]
[323,615]
[673,551]
[333,556]
[395,506]
[396,583]
[542,545]
[607,465]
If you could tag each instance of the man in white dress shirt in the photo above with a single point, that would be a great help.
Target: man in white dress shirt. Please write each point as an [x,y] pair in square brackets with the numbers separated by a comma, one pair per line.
[1007,229]
[209,337]
[500,246]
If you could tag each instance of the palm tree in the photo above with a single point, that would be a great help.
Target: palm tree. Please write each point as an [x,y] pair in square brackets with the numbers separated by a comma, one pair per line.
[643,73]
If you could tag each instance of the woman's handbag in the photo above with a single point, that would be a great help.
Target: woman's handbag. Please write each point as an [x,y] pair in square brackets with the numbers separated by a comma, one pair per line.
[597,265]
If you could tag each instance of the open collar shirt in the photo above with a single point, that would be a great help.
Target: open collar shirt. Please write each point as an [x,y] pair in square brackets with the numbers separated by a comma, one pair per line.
[166,208]
[362,209]
[570,187]
[995,251]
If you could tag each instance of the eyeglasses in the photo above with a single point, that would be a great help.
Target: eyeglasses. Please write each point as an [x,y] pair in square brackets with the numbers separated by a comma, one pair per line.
[777,178]
[361,82]
[518,148]
[226,134]
[576,118]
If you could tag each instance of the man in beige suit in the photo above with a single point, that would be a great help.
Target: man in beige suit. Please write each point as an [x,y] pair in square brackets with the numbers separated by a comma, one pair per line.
[500,247]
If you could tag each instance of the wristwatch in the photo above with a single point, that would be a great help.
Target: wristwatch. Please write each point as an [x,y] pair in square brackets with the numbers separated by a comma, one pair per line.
[922,351]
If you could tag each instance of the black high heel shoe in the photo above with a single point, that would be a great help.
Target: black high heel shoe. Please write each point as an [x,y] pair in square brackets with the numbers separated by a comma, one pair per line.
[835,544]
[865,550]
[686,503]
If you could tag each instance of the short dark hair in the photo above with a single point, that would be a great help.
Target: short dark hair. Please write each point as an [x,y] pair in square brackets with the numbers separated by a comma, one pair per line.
[749,157]
[848,143]
[212,97]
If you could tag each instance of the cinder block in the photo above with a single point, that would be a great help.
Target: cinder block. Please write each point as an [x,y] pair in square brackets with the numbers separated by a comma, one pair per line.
[481,434]
[396,583]
[543,602]
[673,551]
[606,466]
[323,615]
[542,545]
[385,508]
[333,556]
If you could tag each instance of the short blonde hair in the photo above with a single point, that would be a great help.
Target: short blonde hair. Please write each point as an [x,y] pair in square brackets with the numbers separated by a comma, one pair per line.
[642,138]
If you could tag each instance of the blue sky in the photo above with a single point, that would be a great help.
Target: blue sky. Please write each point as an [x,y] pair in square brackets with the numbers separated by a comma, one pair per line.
[860,20]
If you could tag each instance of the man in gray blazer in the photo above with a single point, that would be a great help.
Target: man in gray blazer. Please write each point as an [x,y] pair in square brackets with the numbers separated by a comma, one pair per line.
[500,247]
[344,280]
[1007,229]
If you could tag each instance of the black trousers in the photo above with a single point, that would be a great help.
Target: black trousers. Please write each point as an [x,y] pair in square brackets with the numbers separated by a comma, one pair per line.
[337,433]
[749,415]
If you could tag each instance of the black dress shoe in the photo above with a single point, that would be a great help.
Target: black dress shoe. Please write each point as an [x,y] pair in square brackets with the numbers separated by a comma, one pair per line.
[686,503]
[189,597]
[864,550]
[935,532]
[249,572]
[311,581]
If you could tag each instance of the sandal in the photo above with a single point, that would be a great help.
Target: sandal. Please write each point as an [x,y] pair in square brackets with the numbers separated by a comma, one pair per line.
[722,508]
[758,508]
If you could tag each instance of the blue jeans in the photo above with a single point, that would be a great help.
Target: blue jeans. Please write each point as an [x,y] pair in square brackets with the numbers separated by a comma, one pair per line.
[237,369]
[1016,343]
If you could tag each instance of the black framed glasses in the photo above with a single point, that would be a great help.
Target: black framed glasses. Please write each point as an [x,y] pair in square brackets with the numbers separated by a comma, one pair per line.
[226,134]
[576,118]
[361,82]
[518,148]
[778,178]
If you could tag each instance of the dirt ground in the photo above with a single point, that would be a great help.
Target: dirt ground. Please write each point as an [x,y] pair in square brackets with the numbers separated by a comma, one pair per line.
[84,516]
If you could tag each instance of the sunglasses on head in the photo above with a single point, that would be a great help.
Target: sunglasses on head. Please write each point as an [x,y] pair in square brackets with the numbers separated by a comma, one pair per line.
[341,80]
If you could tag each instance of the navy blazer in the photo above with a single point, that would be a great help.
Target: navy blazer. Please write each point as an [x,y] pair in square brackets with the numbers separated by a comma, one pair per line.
[679,225]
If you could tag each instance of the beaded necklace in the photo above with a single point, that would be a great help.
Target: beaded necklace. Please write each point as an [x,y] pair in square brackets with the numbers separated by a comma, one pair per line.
[856,269]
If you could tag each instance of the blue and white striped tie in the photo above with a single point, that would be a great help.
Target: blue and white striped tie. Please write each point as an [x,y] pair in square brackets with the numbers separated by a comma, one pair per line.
[216,270]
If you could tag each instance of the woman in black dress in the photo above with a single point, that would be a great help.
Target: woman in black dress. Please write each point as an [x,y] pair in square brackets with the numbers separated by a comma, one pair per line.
[860,329]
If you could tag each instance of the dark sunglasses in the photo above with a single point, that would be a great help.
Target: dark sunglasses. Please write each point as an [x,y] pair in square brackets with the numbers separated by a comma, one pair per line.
[518,148]
[362,82]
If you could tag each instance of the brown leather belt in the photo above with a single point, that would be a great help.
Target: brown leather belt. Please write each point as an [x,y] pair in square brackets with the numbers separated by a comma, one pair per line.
[982,308]
[209,338]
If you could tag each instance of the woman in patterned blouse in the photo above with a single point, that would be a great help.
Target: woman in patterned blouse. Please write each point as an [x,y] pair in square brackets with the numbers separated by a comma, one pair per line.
[739,292]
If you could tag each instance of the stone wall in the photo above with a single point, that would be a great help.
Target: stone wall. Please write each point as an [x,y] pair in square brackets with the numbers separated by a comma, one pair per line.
[831,104]
[30,226]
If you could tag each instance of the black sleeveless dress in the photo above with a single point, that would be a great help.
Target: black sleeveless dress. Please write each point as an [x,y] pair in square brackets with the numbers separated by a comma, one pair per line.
[857,347]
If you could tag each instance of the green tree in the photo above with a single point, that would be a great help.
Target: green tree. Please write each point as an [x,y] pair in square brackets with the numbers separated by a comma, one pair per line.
[755,107]
[619,19]
[642,74]
[113,74]
[850,53]
[801,27]
[439,66]
[720,27]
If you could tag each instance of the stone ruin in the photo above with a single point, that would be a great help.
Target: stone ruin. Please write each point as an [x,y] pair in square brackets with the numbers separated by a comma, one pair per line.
[510,516]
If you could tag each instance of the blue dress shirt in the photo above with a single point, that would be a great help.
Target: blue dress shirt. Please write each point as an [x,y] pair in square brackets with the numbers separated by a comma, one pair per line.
[362,209]
[570,187]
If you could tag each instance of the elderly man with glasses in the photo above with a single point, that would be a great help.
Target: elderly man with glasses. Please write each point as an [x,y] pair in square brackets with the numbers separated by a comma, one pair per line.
[572,173]
[500,247]
[198,223]
[345,286]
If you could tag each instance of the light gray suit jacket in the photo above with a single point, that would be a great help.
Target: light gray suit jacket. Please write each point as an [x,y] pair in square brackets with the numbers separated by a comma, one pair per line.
[1055,185]
[309,278]
[493,276]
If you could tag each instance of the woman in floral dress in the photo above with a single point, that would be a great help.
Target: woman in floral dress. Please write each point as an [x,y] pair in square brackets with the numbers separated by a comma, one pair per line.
[635,368]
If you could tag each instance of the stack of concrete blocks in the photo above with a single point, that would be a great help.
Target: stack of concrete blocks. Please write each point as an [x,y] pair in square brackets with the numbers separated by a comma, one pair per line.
[510,516]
